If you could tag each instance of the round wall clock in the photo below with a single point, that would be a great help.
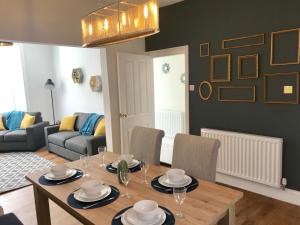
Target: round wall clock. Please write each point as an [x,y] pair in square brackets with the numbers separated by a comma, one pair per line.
[166,68]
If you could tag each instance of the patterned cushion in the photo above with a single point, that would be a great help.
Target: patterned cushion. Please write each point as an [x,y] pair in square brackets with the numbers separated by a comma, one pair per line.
[61,137]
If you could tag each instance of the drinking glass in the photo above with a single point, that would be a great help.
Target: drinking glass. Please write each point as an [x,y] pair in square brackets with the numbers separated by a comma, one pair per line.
[85,164]
[144,168]
[125,178]
[101,151]
[179,196]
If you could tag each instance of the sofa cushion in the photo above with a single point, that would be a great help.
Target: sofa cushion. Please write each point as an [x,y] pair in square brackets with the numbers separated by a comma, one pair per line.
[16,136]
[78,144]
[81,118]
[2,133]
[60,138]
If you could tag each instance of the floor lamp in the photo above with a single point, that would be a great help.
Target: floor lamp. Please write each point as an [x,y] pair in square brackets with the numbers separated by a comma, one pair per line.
[49,85]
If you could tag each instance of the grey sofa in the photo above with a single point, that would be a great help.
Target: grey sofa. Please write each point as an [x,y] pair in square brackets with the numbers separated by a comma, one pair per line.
[30,139]
[70,144]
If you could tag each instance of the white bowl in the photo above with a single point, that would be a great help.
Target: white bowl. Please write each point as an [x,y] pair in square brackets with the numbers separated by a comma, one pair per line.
[127,157]
[146,209]
[59,170]
[175,175]
[92,188]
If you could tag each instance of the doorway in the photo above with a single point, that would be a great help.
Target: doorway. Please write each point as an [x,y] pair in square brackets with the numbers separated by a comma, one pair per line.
[170,68]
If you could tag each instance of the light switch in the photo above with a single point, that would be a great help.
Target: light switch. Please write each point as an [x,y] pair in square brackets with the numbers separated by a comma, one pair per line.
[192,87]
[288,90]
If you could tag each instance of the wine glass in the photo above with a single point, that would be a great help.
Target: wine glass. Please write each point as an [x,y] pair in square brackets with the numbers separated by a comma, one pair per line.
[85,163]
[144,168]
[125,178]
[101,151]
[179,194]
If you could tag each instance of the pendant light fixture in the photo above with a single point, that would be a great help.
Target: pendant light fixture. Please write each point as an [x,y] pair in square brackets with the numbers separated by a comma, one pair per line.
[120,21]
[5,43]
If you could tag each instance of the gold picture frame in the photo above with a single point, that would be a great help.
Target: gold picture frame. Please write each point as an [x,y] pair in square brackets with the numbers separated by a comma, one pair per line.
[205,98]
[261,42]
[266,88]
[207,45]
[212,68]
[273,34]
[241,76]
[252,100]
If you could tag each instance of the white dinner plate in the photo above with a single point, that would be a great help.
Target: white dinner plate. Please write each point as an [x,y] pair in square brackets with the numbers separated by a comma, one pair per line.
[130,218]
[70,172]
[133,164]
[79,195]
[164,180]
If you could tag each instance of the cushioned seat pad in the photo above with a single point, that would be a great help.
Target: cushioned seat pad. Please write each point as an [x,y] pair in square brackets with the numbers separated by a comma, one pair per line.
[60,138]
[10,219]
[78,144]
[15,136]
[2,133]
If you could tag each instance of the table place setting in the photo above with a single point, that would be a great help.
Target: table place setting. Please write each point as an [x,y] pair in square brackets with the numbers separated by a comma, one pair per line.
[144,212]
[133,164]
[93,194]
[174,178]
[60,174]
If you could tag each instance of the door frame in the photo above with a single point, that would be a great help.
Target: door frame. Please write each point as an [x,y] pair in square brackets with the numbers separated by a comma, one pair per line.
[175,51]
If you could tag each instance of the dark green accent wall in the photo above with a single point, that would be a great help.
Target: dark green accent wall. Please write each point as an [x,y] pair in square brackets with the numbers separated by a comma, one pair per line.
[197,21]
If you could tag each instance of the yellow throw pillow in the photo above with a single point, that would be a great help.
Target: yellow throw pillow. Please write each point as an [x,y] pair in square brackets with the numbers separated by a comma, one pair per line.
[1,123]
[100,130]
[27,121]
[67,123]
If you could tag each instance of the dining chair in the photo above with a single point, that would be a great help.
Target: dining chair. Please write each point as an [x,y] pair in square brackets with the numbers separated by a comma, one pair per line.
[196,155]
[9,219]
[145,144]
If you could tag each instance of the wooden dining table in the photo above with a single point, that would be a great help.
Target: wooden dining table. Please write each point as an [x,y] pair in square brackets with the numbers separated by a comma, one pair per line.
[209,204]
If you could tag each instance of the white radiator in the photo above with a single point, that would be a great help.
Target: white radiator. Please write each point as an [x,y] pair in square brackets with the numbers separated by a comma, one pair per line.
[172,122]
[251,157]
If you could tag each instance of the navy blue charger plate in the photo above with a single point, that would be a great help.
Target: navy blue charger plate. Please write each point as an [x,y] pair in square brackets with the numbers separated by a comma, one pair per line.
[170,219]
[44,181]
[168,190]
[103,202]
[112,169]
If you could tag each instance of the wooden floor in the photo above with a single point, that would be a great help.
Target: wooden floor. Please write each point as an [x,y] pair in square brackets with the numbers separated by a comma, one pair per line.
[253,209]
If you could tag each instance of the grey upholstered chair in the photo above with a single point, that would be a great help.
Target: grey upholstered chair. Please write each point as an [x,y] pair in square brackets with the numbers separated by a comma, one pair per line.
[145,144]
[196,155]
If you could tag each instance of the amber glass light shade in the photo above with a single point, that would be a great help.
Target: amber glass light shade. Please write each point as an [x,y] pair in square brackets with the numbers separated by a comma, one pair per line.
[120,21]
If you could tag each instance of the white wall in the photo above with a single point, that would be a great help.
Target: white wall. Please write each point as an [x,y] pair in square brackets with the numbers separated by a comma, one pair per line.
[37,63]
[169,90]
[41,62]
[70,97]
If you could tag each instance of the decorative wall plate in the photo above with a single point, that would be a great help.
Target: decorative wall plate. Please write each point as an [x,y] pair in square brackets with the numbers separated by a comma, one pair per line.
[96,83]
[77,76]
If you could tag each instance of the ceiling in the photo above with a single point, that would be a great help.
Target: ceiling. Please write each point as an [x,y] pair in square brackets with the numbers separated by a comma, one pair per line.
[163,3]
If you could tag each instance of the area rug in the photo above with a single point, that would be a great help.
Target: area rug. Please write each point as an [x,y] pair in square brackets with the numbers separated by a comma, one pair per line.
[14,167]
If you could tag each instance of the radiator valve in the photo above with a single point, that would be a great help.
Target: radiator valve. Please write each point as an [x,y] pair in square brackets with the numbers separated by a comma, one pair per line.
[283,183]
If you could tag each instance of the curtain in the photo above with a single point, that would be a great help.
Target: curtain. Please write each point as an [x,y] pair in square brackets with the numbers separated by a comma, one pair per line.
[12,91]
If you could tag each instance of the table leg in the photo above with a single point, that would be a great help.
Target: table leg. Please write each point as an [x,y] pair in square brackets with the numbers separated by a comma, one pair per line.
[229,218]
[41,207]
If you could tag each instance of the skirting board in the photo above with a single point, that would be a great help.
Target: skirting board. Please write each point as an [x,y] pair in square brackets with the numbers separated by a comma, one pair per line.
[288,195]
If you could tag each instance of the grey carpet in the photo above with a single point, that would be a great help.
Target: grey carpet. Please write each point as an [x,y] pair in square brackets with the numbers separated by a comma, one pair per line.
[14,167]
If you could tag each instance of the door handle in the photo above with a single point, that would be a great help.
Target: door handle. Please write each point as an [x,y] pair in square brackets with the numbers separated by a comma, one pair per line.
[122,115]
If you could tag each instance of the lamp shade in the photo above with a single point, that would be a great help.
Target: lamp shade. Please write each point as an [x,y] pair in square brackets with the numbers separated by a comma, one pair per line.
[49,85]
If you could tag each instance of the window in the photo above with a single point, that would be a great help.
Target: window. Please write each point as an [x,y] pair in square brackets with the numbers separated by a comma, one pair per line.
[12,91]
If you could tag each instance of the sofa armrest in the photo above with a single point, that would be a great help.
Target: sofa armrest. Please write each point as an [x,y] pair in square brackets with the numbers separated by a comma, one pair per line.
[35,135]
[50,130]
[94,143]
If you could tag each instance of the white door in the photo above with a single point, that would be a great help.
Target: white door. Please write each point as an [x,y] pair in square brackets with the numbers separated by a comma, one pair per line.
[136,94]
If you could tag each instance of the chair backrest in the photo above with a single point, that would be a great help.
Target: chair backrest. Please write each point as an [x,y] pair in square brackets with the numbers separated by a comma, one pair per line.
[146,144]
[196,155]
